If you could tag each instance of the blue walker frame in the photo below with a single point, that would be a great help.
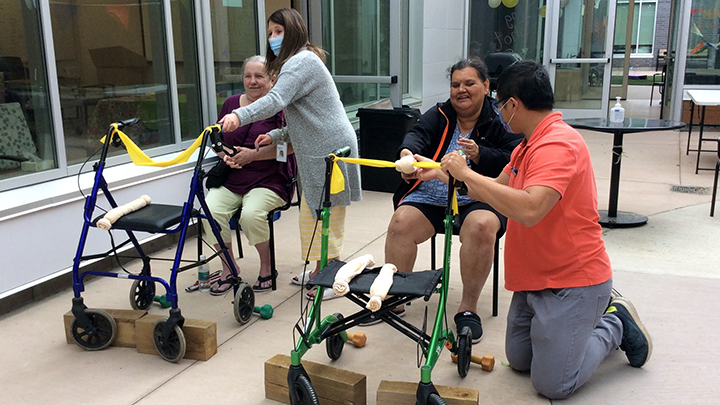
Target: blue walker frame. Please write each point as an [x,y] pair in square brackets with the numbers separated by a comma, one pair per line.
[94,329]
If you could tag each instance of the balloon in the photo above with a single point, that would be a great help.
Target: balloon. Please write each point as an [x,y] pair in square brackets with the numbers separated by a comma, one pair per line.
[494,3]
[510,3]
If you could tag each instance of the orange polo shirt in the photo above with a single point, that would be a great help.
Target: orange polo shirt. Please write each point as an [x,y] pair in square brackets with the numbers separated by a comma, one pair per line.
[565,249]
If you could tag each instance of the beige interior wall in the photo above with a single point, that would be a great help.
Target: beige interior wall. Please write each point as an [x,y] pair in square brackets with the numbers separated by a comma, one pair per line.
[272,6]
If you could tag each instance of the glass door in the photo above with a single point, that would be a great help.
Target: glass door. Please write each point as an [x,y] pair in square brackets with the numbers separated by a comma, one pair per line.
[579,44]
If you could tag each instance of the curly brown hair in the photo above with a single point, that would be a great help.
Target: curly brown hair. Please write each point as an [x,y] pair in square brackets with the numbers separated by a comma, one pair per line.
[294,40]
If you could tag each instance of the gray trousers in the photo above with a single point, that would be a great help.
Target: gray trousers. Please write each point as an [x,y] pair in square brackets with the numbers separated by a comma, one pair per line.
[561,336]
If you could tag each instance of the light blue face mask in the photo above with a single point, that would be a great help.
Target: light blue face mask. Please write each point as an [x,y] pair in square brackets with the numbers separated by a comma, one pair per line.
[506,125]
[498,108]
[275,44]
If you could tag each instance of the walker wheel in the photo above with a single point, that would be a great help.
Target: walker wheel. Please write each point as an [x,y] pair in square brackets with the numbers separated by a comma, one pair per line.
[304,392]
[334,344]
[174,348]
[434,399]
[464,351]
[244,303]
[142,294]
[99,335]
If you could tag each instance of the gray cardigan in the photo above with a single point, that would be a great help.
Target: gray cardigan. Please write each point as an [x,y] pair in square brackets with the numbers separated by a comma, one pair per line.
[316,125]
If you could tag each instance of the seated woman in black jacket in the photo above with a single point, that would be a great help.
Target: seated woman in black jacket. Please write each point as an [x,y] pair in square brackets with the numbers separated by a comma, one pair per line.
[466,122]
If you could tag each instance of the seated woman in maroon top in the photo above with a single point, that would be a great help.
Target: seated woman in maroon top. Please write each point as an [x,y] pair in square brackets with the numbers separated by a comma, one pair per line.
[257,181]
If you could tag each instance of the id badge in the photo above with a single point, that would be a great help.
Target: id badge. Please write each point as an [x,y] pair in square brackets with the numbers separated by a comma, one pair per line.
[281,154]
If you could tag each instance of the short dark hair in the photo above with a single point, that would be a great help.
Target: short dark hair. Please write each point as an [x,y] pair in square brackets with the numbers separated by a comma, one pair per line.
[477,64]
[529,82]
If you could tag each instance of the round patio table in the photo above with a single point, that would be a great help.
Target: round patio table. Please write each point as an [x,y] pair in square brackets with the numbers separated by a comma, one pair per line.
[612,218]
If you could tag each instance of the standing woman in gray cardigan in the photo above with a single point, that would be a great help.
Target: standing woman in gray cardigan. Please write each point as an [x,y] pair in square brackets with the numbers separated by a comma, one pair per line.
[316,125]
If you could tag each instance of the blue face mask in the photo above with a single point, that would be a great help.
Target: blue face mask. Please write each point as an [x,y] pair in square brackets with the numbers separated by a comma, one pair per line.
[506,125]
[275,44]
[498,109]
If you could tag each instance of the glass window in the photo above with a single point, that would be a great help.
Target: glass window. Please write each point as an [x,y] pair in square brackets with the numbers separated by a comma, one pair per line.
[26,137]
[500,34]
[703,64]
[356,36]
[235,38]
[111,61]
[643,27]
[186,67]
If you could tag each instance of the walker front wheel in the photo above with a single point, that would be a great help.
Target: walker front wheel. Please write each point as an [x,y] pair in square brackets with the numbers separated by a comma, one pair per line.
[464,351]
[99,334]
[244,303]
[173,348]
[142,294]
[304,392]
[334,344]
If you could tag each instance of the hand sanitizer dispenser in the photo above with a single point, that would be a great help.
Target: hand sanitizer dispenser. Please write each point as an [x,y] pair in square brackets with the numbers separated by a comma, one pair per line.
[617,113]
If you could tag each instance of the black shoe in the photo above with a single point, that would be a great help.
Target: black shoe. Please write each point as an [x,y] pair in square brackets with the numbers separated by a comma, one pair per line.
[259,288]
[217,290]
[472,321]
[372,320]
[636,342]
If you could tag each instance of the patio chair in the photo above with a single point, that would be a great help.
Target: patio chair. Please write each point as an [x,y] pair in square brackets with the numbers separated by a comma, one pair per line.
[495,269]
[272,216]
[659,82]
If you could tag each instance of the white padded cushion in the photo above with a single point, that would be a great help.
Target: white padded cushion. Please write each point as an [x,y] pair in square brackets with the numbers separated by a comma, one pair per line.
[15,139]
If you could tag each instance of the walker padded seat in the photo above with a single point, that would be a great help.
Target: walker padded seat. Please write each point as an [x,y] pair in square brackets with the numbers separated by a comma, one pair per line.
[417,283]
[150,218]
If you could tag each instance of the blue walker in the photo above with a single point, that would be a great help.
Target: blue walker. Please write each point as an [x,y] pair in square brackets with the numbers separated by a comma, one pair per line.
[95,329]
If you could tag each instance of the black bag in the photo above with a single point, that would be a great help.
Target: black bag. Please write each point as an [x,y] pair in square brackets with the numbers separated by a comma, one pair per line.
[217,175]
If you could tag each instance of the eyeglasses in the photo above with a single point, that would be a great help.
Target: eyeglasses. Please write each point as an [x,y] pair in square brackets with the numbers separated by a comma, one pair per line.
[496,105]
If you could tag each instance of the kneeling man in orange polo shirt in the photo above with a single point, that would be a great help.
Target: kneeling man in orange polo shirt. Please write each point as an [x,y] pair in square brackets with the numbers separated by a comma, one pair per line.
[564,317]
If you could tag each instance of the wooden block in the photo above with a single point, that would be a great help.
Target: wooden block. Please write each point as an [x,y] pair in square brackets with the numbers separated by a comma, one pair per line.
[332,385]
[200,337]
[399,392]
[125,320]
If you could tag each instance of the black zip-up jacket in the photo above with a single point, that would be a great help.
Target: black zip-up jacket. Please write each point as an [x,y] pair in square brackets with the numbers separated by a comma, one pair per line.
[432,134]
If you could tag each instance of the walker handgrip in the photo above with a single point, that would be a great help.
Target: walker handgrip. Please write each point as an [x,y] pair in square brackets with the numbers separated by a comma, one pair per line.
[128,122]
[342,152]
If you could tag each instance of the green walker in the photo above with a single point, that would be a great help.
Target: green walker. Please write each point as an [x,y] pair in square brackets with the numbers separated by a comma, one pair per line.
[405,288]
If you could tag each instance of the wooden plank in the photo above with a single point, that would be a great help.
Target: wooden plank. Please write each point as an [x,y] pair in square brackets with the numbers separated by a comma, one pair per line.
[332,385]
[401,392]
[200,337]
[125,320]
[280,393]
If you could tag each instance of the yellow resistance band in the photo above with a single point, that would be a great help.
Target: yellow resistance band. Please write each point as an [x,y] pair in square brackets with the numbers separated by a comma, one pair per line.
[337,183]
[141,159]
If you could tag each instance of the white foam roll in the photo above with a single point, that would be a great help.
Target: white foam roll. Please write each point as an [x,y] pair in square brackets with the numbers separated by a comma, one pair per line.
[381,286]
[348,271]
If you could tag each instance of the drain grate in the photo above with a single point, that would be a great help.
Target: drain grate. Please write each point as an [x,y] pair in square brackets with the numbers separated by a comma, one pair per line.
[690,189]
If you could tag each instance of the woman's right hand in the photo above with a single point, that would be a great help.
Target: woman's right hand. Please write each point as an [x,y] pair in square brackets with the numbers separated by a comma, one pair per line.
[263,140]
[242,157]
